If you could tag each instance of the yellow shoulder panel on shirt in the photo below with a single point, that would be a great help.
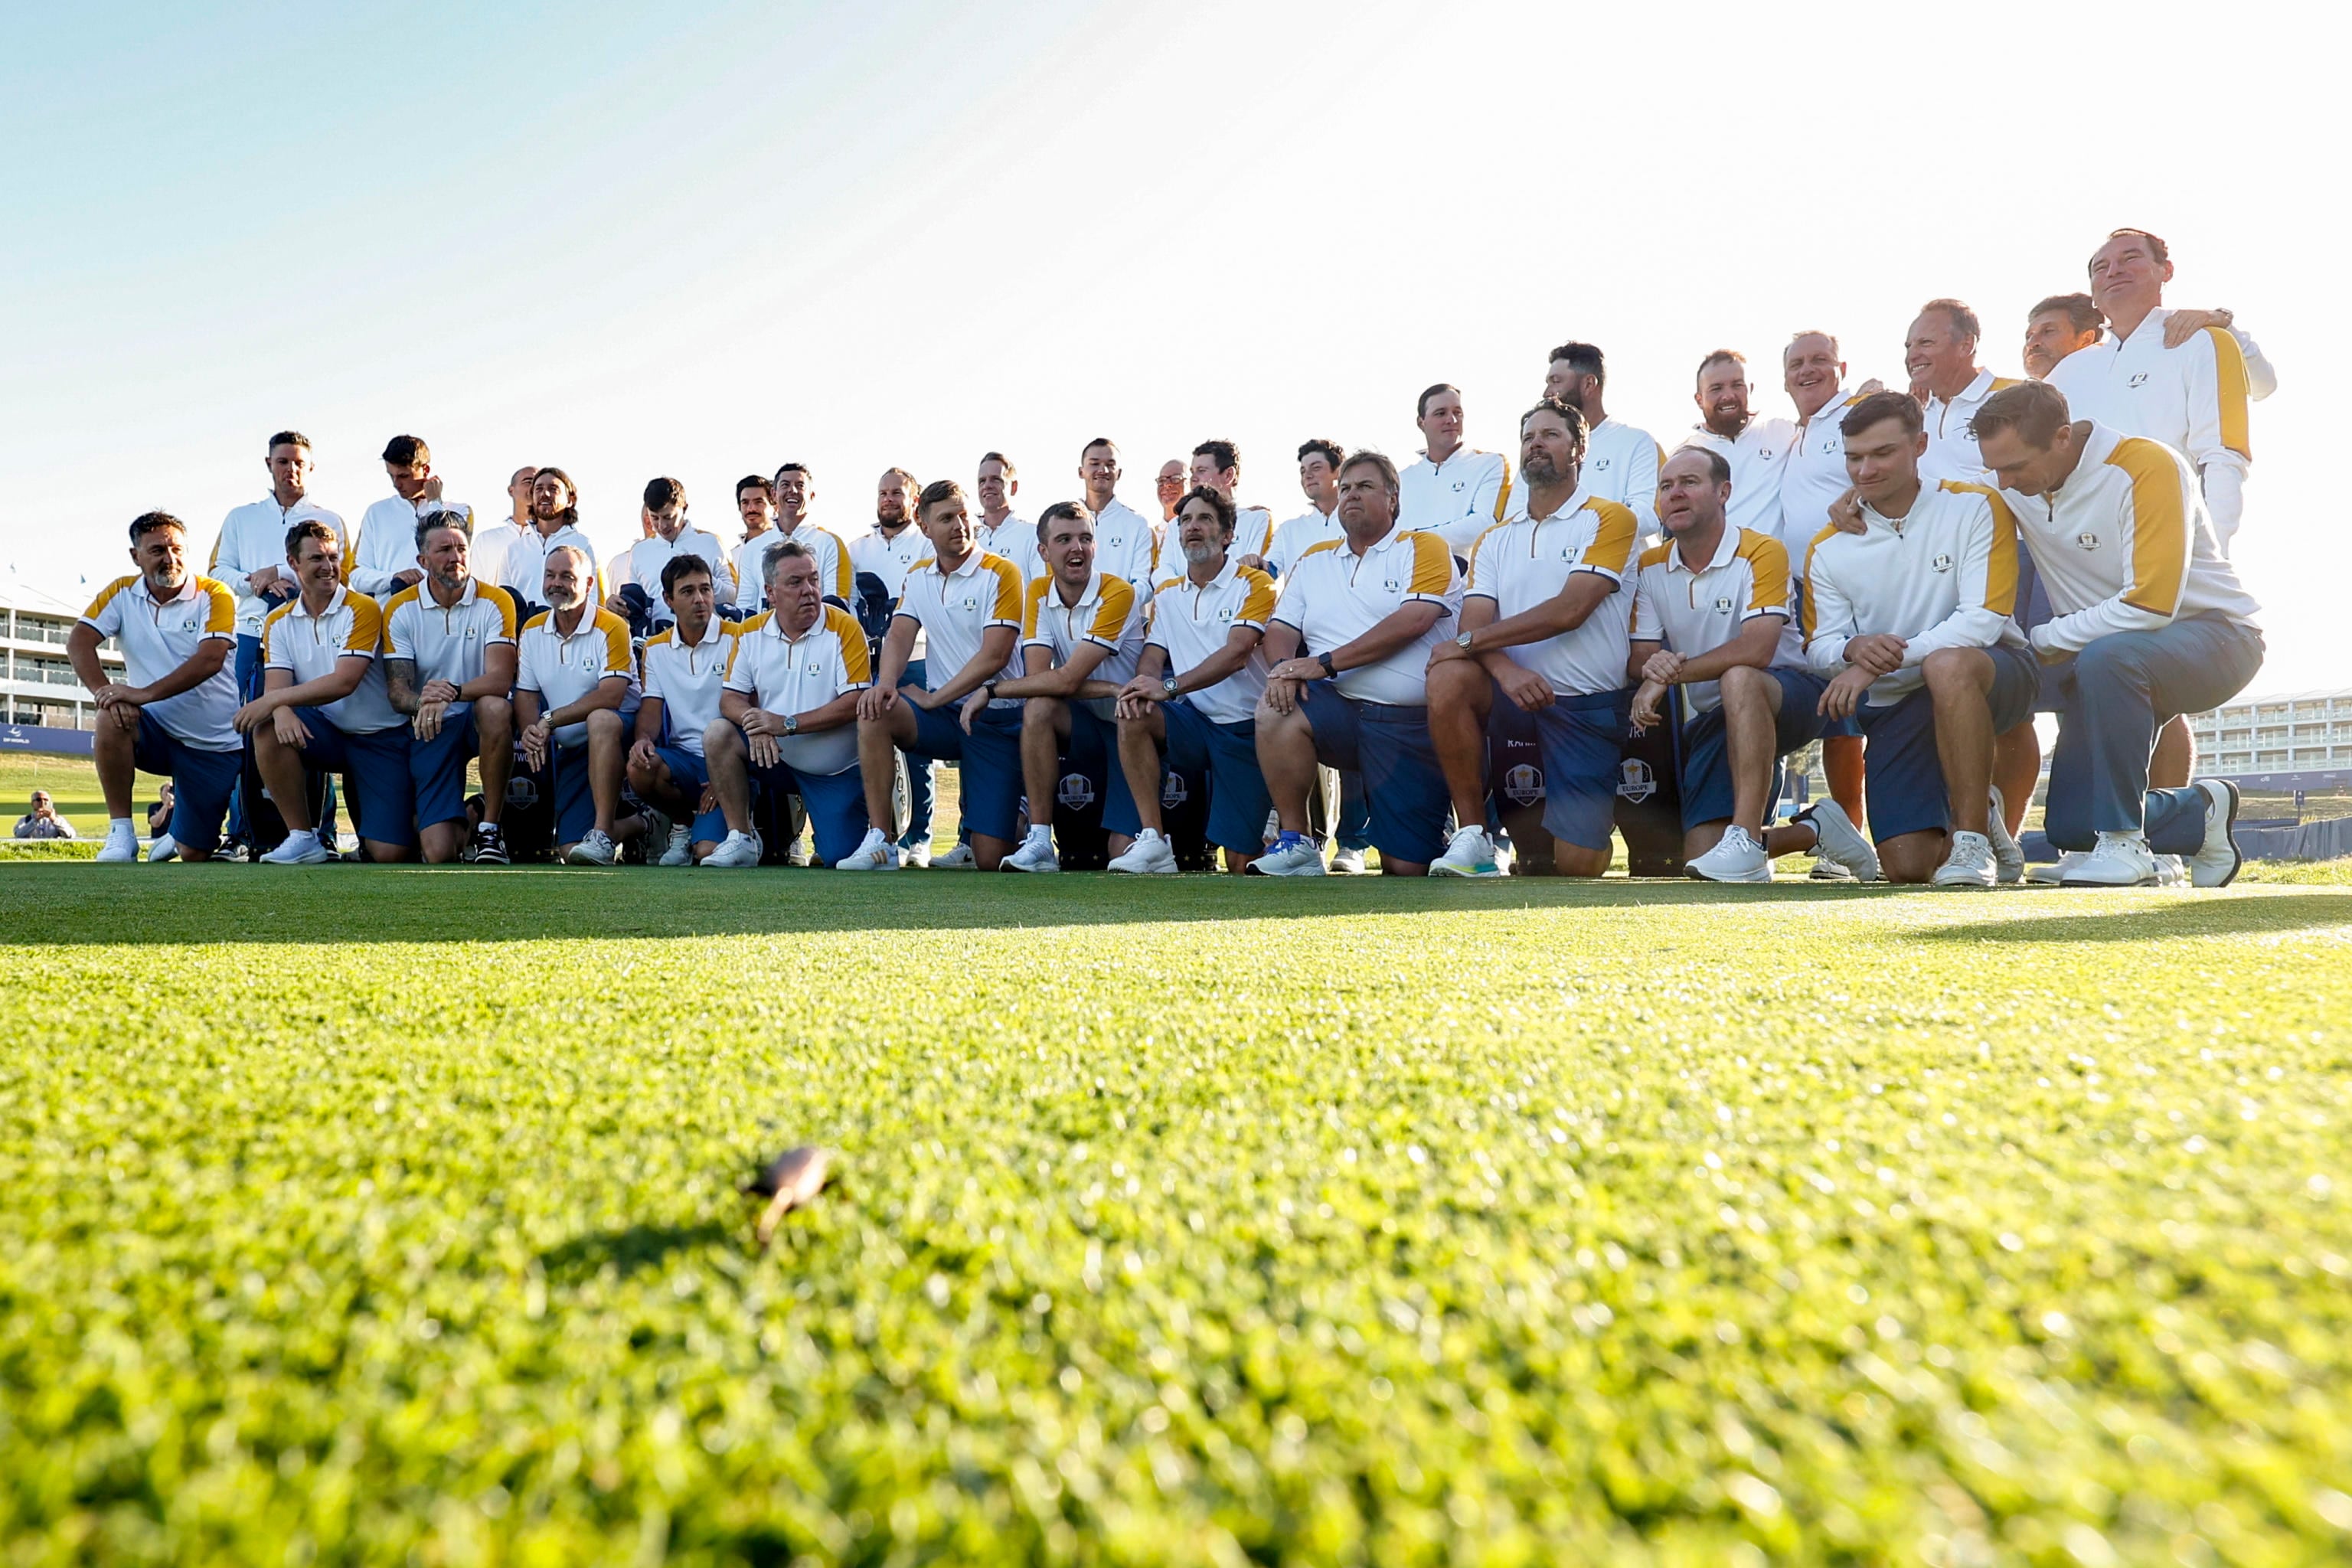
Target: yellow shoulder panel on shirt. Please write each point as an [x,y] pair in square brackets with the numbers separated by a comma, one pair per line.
[367,623]
[223,615]
[2160,524]
[856,658]
[1117,605]
[1257,604]
[1433,565]
[505,600]
[925,564]
[392,607]
[1008,587]
[538,620]
[1480,544]
[2003,384]
[1031,600]
[1657,553]
[2000,567]
[1805,610]
[660,637]
[616,642]
[746,628]
[1503,495]
[2229,388]
[269,624]
[1612,541]
[1164,587]
[106,594]
[1768,565]
[1319,549]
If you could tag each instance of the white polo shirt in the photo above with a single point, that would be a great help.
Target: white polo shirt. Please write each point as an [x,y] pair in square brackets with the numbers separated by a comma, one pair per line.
[1191,621]
[2126,545]
[1015,539]
[1335,596]
[159,635]
[1110,615]
[835,577]
[1814,476]
[253,536]
[1253,531]
[1620,465]
[309,646]
[1692,612]
[1296,537]
[1519,565]
[1943,576]
[1757,456]
[523,569]
[447,642]
[686,677]
[957,608]
[2192,399]
[1127,545]
[1457,499]
[642,561]
[794,676]
[563,667]
[387,542]
[888,557]
[1951,444]
[487,551]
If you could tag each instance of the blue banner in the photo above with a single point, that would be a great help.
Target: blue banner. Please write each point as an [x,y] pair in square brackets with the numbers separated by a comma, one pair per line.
[42,738]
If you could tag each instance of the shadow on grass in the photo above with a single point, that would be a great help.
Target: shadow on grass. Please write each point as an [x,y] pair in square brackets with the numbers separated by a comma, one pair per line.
[629,1250]
[2200,917]
[81,905]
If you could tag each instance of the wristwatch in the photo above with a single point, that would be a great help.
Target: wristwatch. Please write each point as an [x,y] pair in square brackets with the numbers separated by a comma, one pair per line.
[1329,668]
[988,691]
[1463,642]
[792,724]
[1168,684]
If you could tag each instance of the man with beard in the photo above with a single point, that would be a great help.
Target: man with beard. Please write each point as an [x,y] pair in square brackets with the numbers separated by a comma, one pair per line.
[1127,542]
[173,712]
[1195,697]
[1755,449]
[1218,465]
[2058,326]
[1081,631]
[967,603]
[448,665]
[554,525]
[1542,647]
[1911,621]
[880,561]
[2149,622]
[573,672]
[1713,614]
[1455,491]
[1620,460]
[386,559]
[1002,530]
[1347,684]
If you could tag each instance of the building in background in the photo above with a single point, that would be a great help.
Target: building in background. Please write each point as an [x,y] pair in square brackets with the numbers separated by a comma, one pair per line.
[38,688]
[2300,741]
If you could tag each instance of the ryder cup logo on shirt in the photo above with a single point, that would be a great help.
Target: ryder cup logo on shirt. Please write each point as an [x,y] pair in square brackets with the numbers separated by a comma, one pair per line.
[2135,382]
[1602,466]
[1389,584]
[2088,541]
[968,602]
[1723,605]
[1458,484]
[1226,613]
[1943,563]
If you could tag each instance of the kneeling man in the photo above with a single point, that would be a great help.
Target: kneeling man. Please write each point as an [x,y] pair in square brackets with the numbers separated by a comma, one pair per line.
[450,664]
[573,675]
[1544,635]
[324,708]
[967,603]
[1373,604]
[1711,615]
[788,714]
[1081,633]
[1910,617]
[683,667]
[1195,696]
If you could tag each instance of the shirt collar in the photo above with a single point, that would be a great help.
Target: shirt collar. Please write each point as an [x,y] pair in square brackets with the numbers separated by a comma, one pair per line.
[187,589]
[332,605]
[1725,548]
[1978,388]
[1089,594]
[711,632]
[1395,533]
[466,596]
[971,562]
[587,623]
[1576,501]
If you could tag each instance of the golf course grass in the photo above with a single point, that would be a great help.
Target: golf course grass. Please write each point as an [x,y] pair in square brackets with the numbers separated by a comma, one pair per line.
[392,1216]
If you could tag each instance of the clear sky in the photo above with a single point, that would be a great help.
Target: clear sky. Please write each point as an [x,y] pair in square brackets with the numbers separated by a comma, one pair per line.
[701,241]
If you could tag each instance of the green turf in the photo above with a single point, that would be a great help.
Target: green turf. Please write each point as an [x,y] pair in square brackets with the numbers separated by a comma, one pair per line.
[359,1215]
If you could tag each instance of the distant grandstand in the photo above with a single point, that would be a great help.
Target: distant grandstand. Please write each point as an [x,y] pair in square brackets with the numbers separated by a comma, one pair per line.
[2300,742]
[43,706]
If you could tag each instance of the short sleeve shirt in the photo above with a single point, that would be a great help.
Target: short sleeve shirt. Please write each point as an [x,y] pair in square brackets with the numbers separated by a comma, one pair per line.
[159,635]
[799,675]
[308,647]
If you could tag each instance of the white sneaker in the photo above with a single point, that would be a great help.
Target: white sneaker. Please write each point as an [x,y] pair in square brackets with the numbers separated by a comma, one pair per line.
[2055,876]
[916,856]
[2121,860]
[2008,859]
[1828,871]
[875,854]
[1150,855]
[122,843]
[1840,841]
[1969,864]
[681,846]
[737,849]
[2216,863]
[1300,857]
[298,850]
[2171,871]
[164,848]
[798,855]
[1470,854]
[1347,862]
[1735,858]
[1036,853]
[959,859]
[595,849]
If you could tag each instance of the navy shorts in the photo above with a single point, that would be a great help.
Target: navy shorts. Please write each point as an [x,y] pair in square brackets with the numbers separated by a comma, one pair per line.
[202,780]
[1225,755]
[1706,762]
[575,800]
[1903,776]
[384,799]
[688,775]
[1582,741]
[989,758]
[1404,788]
[836,804]
[436,769]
